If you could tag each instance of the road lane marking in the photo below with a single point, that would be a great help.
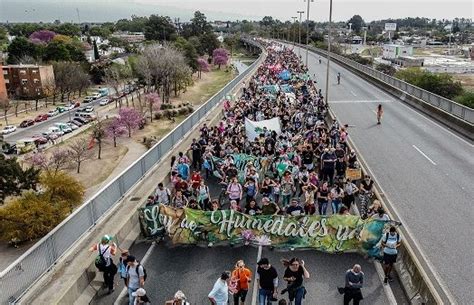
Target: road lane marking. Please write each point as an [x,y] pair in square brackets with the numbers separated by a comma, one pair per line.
[424,155]
[360,101]
[353,93]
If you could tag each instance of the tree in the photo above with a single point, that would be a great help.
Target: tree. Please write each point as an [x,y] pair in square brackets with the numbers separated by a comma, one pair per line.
[189,52]
[44,36]
[68,77]
[68,29]
[154,103]
[5,105]
[159,28]
[96,50]
[98,133]
[56,51]
[21,47]
[130,118]
[442,84]
[357,23]
[232,41]
[208,43]
[14,179]
[115,129]
[33,215]
[57,161]
[203,66]
[220,57]
[387,69]
[79,151]
[198,26]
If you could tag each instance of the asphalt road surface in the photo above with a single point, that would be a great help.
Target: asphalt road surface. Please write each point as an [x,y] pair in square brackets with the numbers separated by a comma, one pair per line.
[424,169]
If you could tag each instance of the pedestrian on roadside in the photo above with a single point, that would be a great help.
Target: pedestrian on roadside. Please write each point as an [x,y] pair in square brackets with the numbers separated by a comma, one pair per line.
[267,281]
[354,281]
[390,243]
[294,274]
[104,261]
[244,277]
[162,194]
[122,266]
[135,277]
[219,294]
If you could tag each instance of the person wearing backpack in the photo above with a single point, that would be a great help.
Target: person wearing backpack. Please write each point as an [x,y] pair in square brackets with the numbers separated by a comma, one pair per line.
[390,244]
[104,262]
[136,276]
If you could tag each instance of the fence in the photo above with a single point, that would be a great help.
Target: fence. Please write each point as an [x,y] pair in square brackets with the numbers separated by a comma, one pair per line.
[33,264]
[451,107]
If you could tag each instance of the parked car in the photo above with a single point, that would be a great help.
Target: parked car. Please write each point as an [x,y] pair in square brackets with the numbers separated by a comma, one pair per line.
[88,99]
[85,109]
[41,118]
[40,139]
[62,109]
[8,129]
[55,130]
[53,136]
[27,123]
[74,122]
[96,95]
[72,126]
[75,104]
[83,121]
[25,145]
[63,127]
[52,113]
[104,101]
[8,149]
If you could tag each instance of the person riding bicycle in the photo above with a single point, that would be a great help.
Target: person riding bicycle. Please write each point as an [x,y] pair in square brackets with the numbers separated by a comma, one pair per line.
[338,78]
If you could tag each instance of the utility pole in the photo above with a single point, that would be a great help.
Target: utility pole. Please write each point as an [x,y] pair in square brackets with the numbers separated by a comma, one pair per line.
[294,34]
[307,29]
[329,52]
[299,33]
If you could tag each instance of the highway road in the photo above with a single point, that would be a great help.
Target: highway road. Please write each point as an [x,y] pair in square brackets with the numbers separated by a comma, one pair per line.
[424,169]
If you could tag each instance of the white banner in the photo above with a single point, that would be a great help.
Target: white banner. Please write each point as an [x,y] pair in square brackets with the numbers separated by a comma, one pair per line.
[390,26]
[254,129]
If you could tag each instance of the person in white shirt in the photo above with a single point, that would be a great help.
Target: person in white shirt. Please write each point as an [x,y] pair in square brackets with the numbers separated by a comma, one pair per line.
[219,294]
[162,194]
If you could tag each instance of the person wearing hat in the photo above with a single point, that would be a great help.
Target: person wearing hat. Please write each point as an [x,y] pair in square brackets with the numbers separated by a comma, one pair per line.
[219,294]
[135,277]
[140,297]
[122,265]
[105,251]
[267,281]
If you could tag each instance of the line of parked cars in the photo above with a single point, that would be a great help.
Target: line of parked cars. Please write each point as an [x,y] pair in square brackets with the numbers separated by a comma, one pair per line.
[82,117]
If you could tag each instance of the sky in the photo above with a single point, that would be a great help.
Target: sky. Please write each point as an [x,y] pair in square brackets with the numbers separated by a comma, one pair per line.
[112,10]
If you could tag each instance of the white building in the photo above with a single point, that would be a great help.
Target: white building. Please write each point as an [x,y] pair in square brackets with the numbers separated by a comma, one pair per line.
[392,51]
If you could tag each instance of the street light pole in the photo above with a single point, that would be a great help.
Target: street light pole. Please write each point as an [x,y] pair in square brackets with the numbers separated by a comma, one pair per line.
[294,33]
[299,33]
[307,30]
[329,52]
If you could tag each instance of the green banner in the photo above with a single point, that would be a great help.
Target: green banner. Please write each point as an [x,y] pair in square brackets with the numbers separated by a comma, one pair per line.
[241,161]
[332,234]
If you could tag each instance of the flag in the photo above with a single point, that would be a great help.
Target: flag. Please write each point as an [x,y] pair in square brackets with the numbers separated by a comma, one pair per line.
[253,129]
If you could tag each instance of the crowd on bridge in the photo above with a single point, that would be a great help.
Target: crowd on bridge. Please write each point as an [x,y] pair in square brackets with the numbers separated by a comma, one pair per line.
[296,167]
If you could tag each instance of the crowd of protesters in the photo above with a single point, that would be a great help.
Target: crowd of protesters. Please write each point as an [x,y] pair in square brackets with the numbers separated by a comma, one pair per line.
[301,171]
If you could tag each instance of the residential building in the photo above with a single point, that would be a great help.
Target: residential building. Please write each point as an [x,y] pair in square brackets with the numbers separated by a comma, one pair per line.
[408,61]
[392,51]
[130,36]
[28,81]
[3,87]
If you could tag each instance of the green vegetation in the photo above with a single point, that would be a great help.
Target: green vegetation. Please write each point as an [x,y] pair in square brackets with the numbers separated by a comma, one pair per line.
[466,99]
[387,69]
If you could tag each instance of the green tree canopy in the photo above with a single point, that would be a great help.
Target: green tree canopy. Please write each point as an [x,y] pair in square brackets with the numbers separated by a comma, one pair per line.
[159,28]
[21,47]
[357,23]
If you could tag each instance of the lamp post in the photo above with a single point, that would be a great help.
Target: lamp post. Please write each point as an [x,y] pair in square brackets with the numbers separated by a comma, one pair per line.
[329,51]
[307,30]
[294,34]
[299,33]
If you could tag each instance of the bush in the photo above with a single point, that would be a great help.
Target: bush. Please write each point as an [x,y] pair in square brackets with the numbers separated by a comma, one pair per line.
[190,108]
[182,110]
[442,84]
[387,69]
[466,99]
[166,106]
[174,112]
[158,115]
[361,60]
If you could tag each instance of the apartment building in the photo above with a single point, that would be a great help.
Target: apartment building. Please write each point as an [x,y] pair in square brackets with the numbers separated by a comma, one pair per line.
[28,81]
[3,88]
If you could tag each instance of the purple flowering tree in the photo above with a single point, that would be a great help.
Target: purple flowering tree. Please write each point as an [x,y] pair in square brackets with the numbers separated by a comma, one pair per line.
[130,118]
[220,56]
[203,66]
[115,129]
[154,103]
[42,36]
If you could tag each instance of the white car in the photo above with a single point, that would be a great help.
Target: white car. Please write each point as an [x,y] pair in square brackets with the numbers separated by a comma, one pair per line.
[96,95]
[104,101]
[8,129]
[72,126]
[88,99]
[53,112]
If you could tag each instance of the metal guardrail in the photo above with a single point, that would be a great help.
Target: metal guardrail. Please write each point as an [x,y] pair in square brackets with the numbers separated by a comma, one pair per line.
[25,271]
[447,105]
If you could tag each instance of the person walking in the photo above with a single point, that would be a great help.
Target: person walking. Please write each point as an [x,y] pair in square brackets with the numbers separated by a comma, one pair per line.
[338,78]
[294,274]
[267,281]
[354,282]
[104,261]
[244,277]
[379,114]
[135,277]
[219,294]
[390,243]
